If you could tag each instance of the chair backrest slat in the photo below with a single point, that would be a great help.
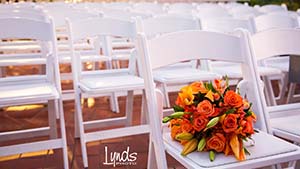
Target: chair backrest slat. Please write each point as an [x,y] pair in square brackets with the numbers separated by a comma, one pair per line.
[227,25]
[273,21]
[11,28]
[43,33]
[276,42]
[168,23]
[102,26]
[204,49]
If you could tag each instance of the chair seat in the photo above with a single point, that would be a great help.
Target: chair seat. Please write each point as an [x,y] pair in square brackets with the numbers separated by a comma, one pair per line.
[122,44]
[64,46]
[27,93]
[184,74]
[25,61]
[234,70]
[281,63]
[110,83]
[20,48]
[66,58]
[289,124]
[265,146]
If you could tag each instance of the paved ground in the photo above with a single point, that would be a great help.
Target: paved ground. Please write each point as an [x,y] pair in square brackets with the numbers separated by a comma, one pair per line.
[26,117]
[35,116]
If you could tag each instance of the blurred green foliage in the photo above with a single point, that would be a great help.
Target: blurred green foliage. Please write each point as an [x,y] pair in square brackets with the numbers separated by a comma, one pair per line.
[291,4]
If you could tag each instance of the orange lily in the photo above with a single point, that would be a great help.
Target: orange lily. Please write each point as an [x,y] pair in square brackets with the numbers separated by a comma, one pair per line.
[186,95]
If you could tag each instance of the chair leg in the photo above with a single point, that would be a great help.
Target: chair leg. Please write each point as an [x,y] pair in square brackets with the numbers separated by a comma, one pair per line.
[2,72]
[118,66]
[291,92]
[292,164]
[144,109]
[64,138]
[166,95]
[57,109]
[283,87]
[159,151]
[129,107]
[151,156]
[269,91]
[76,125]
[52,119]
[114,105]
[78,111]
[156,141]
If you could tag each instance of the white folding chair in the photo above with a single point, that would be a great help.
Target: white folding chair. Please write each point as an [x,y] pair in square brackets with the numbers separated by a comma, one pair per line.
[118,5]
[149,7]
[59,16]
[181,8]
[270,43]
[232,70]
[244,12]
[21,46]
[189,45]
[122,45]
[212,11]
[274,21]
[98,83]
[226,25]
[22,90]
[178,74]
[272,8]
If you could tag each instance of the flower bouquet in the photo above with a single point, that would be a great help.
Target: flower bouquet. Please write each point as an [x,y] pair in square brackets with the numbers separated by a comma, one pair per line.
[211,117]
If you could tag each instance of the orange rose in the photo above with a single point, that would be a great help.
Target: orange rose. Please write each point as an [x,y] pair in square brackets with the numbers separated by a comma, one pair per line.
[233,99]
[205,108]
[217,142]
[230,123]
[198,87]
[200,123]
[186,126]
[247,126]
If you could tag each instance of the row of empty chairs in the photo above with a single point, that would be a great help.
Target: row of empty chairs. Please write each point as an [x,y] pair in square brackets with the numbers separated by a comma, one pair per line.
[118,10]
[159,50]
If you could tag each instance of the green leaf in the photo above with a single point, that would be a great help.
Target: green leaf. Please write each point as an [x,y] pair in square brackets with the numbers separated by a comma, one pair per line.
[227,88]
[238,91]
[248,113]
[211,87]
[212,155]
[227,80]
[166,119]
[201,144]
[246,151]
[256,131]
[212,123]
[230,111]
[176,115]
[177,108]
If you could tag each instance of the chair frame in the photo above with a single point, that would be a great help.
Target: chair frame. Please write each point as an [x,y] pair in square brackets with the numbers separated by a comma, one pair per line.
[105,27]
[234,49]
[43,31]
